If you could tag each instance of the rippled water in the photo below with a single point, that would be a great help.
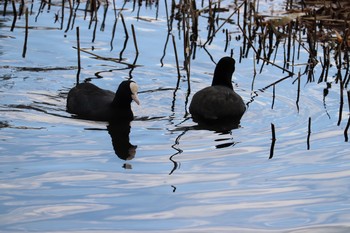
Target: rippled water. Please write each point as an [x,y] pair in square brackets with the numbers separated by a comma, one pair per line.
[61,174]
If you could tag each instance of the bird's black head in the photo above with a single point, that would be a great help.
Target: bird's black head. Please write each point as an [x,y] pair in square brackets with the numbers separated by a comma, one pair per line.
[127,91]
[223,72]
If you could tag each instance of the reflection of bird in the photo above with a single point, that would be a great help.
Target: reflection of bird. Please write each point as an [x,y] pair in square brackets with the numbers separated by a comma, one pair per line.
[218,103]
[90,102]
[119,131]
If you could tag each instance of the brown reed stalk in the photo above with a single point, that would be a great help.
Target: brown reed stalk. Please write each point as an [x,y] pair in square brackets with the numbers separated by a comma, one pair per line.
[227,40]
[126,37]
[62,14]
[298,92]
[78,54]
[176,58]
[136,50]
[111,59]
[348,124]
[346,131]
[274,83]
[70,15]
[14,15]
[113,32]
[26,35]
[341,101]
[273,96]
[273,141]
[308,134]
[134,37]
[5,7]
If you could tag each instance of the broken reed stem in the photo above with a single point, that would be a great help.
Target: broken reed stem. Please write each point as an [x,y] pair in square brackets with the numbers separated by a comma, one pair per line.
[274,83]
[273,140]
[308,134]
[78,53]
[176,58]
[116,60]
[134,37]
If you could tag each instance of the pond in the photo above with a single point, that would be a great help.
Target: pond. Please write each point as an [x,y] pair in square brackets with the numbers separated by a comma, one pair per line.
[284,169]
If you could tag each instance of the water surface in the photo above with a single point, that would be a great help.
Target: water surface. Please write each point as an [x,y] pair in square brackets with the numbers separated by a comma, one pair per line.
[61,174]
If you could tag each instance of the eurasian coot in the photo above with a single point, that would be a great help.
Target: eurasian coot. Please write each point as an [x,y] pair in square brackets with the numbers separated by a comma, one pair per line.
[90,102]
[218,103]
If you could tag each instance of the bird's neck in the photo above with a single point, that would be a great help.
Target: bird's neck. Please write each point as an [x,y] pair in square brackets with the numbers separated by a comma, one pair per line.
[223,80]
[121,104]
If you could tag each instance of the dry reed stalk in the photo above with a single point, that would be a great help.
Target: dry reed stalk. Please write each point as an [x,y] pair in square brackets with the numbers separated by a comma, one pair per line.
[5,8]
[341,101]
[176,58]
[26,35]
[134,37]
[273,141]
[116,60]
[273,96]
[14,15]
[348,124]
[126,37]
[308,134]
[298,92]
[78,54]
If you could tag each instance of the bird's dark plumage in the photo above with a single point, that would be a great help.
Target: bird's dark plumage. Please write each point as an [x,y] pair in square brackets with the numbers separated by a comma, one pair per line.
[90,102]
[218,102]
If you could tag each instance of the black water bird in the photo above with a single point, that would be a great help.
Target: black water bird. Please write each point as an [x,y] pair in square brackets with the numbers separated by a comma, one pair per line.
[90,102]
[218,103]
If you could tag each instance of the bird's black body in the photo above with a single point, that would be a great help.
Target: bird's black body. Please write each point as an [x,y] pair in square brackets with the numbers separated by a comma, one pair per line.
[90,102]
[218,103]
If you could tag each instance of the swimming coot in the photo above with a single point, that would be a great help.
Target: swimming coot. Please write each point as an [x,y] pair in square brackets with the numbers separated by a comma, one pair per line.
[90,102]
[218,103]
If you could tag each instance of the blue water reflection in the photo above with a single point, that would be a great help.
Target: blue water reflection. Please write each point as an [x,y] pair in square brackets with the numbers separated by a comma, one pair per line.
[61,174]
